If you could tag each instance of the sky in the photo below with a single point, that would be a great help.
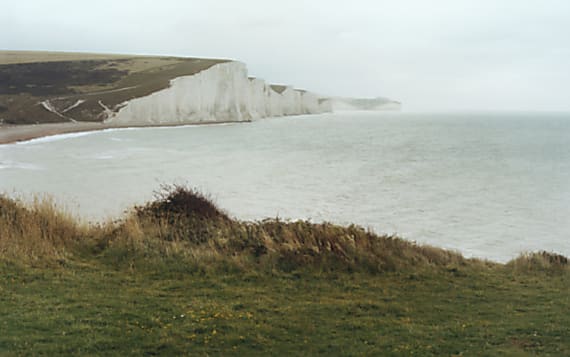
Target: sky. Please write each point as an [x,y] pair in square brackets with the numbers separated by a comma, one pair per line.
[429,54]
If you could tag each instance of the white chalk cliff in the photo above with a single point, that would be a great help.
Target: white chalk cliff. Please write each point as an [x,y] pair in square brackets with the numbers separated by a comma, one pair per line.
[223,92]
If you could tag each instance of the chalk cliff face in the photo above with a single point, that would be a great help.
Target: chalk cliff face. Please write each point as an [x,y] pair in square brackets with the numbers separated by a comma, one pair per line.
[220,93]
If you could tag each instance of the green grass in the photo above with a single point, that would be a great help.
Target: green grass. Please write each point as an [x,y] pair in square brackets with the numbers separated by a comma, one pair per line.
[94,309]
[179,277]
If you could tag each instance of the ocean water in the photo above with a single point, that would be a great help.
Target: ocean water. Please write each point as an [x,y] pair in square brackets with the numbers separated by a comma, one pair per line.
[490,185]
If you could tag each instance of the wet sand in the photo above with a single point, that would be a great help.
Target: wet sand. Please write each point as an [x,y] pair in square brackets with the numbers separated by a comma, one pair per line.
[15,133]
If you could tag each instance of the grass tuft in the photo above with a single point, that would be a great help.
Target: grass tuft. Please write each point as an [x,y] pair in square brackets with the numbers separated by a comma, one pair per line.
[540,262]
[38,232]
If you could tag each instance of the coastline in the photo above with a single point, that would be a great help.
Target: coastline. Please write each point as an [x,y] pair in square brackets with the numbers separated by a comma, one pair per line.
[11,134]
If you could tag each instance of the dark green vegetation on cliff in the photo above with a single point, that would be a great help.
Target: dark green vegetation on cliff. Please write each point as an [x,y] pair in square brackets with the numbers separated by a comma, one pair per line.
[81,87]
[178,276]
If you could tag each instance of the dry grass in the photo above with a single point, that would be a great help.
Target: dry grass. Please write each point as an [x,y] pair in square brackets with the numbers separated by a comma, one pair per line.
[185,226]
[540,262]
[38,232]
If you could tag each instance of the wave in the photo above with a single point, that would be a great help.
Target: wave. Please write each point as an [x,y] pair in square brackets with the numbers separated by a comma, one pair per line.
[65,136]
[52,138]
[18,165]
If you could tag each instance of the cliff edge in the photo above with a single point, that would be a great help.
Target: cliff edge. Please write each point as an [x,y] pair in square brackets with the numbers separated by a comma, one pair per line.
[223,92]
[122,90]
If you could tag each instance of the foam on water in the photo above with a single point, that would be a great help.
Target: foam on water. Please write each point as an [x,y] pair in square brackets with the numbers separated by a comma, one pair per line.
[51,138]
[489,185]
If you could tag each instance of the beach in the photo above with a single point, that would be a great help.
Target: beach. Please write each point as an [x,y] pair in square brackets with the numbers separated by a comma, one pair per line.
[10,134]
[14,133]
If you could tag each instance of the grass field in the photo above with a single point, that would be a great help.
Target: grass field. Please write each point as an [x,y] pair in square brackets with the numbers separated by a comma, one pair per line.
[15,57]
[178,276]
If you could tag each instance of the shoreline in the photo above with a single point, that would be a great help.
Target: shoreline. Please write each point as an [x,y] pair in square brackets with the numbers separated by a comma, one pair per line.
[11,134]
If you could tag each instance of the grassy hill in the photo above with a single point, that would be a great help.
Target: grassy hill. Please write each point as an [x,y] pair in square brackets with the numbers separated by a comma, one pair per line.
[179,276]
[51,87]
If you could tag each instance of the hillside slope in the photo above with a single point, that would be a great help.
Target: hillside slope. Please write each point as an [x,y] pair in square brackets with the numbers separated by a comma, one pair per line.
[79,87]
[51,87]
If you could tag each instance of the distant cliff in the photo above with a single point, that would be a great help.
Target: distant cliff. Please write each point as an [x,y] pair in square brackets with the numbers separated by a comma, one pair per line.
[374,104]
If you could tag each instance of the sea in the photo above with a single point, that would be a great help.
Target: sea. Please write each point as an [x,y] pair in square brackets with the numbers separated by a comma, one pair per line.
[487,184]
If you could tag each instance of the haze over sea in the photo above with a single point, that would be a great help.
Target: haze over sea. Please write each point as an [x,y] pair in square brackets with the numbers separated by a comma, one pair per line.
[490,185]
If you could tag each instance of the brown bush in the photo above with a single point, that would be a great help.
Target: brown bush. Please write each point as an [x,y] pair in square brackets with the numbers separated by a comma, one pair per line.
[181,202]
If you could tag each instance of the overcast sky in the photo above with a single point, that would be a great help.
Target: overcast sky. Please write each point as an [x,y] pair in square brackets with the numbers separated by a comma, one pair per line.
[431,55]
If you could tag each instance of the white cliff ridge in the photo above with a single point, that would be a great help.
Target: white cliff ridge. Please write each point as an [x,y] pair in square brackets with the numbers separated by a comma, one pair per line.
[221,93]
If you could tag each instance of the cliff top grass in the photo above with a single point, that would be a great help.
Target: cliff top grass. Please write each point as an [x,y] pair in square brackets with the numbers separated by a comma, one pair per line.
[180,276]
[95,81]
[18,57]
